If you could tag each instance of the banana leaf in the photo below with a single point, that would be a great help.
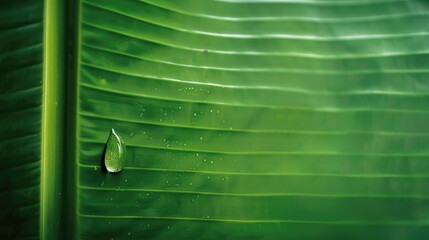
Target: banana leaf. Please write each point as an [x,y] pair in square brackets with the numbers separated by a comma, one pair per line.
[241,119]
[21,57]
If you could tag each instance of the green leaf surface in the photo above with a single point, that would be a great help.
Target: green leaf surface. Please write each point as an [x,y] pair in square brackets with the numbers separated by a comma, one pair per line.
[20,117]
[254,119]
[241,119]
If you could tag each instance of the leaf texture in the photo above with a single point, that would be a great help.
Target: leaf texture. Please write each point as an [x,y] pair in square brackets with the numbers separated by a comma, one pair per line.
[254,119]
[20,114]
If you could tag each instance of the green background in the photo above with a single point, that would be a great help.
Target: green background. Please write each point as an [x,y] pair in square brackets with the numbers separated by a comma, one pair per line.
[242,119]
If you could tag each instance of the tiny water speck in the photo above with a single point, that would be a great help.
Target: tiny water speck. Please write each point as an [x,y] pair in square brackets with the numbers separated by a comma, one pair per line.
[114,156]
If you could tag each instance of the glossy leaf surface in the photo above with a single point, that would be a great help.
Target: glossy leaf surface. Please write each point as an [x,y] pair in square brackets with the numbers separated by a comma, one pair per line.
[242,119]
[255,119]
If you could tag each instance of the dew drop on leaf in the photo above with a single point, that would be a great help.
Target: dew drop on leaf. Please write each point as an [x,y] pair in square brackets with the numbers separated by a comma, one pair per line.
[114,156]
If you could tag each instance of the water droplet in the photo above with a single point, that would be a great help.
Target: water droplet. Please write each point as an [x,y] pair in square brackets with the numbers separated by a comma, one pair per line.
[190,184]
[129,233]
[201,138]
[211,161]
[115,152]
[95,168]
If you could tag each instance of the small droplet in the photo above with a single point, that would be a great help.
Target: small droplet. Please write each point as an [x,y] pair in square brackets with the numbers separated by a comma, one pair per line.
[115,152]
